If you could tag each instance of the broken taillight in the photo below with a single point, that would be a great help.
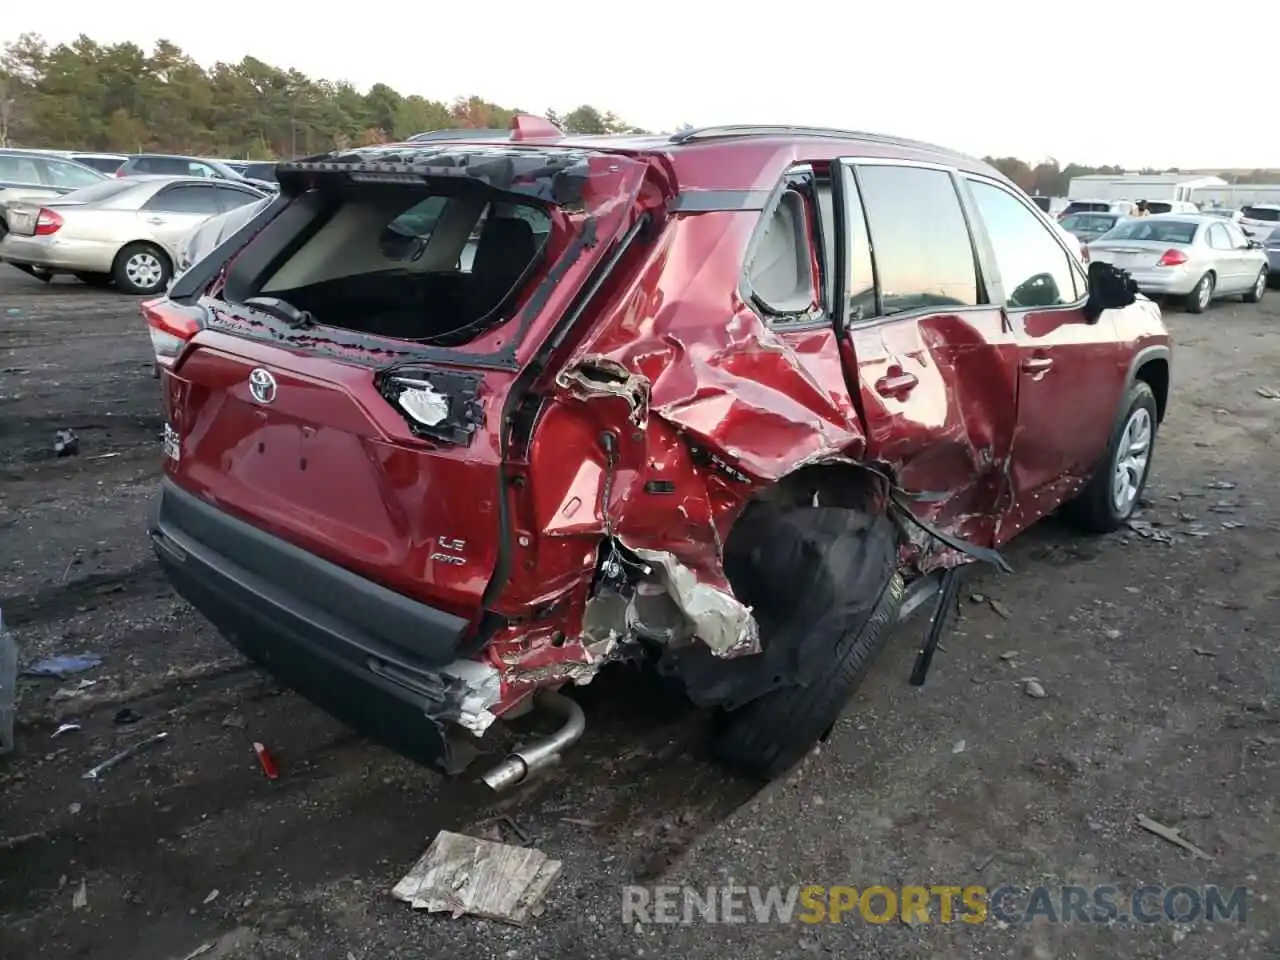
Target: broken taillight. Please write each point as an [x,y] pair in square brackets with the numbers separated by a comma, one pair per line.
[1172,258]
[48,222]
[170,327]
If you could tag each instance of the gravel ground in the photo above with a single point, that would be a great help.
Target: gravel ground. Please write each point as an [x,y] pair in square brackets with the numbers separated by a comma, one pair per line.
[1157,654]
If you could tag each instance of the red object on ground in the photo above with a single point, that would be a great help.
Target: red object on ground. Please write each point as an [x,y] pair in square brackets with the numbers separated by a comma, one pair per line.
[268,764]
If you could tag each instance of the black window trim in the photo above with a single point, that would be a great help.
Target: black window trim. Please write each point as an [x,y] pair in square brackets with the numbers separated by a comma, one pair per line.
[986,303]
[989,254]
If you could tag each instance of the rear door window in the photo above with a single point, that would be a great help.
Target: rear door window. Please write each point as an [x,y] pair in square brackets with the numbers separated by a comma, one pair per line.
[194,198]
[71,175]
[1219,239]
[923,254]
[779,274]
[19,170]
[1034,269]
[232,198]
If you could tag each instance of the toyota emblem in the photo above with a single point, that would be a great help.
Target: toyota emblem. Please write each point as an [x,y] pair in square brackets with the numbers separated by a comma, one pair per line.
[262,385]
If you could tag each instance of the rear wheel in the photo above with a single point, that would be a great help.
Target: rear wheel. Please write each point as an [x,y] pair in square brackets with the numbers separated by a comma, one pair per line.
[769,735]
[1201,296]
[1259,288]
[95,279]
[142,268]
[1112,495]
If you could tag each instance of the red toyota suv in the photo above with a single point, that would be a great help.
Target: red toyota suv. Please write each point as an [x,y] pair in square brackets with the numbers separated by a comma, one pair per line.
[454,423]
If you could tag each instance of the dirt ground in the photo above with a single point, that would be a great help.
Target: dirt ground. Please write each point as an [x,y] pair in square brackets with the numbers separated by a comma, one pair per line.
[1157,652]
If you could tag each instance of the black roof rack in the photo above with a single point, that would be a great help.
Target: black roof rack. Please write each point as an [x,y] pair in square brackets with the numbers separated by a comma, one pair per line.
[776,130]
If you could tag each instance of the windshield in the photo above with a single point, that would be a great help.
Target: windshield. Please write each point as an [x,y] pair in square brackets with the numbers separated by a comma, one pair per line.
[1270,214]
[97,192]
[1156,231]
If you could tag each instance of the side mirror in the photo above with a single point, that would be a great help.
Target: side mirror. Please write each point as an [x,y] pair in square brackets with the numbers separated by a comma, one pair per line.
[1253,245]
[1110,288]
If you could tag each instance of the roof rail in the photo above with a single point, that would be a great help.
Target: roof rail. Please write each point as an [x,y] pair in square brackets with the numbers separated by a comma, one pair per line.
[460,133]
[774,130]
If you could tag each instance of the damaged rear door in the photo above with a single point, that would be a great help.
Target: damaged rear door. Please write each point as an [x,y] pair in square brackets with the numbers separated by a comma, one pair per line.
[935,361]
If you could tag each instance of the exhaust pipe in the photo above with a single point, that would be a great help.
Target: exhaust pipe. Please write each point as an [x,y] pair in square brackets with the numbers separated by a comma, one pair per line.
[542,752]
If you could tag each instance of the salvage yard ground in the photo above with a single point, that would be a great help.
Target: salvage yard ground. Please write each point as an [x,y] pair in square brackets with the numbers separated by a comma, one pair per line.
[1157,648]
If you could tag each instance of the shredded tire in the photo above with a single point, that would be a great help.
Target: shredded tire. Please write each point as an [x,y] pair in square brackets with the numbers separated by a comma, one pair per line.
[835,636]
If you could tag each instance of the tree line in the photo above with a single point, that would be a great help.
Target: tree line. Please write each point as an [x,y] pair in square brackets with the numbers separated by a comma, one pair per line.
[121,98]
[118,97]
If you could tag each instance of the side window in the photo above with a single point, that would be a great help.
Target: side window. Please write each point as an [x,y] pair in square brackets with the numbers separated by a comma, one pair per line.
[229,198]
[1034,269]
[19,170]
[196,199]
[69,175]
[779,274]
[408,233]
[195,169]
[1219,238]
[923,254]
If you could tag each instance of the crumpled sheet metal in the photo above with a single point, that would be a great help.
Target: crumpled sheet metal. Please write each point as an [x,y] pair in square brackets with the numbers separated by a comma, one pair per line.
[720,620]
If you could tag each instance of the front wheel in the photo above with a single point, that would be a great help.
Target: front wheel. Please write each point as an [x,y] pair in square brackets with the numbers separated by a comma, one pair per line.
[1259,288]
[142,269]
[1197,301]
[1111,496]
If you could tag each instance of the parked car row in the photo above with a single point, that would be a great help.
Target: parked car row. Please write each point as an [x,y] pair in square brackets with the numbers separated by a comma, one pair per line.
[127,231]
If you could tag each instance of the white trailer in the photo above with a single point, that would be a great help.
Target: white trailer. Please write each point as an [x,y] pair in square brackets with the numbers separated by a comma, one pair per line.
[1136,186]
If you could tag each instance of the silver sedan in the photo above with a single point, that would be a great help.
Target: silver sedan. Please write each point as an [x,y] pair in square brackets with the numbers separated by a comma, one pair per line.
[1196,257]
[125,231]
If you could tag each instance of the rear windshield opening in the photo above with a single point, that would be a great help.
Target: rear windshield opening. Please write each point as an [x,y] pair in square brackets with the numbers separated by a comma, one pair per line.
[411,264]
[1159,231]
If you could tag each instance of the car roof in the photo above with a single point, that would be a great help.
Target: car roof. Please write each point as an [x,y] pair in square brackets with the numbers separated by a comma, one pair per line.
[732,157]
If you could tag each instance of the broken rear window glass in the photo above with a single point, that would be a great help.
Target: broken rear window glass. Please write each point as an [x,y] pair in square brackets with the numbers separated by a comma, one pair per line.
[1271,214]
[412,264]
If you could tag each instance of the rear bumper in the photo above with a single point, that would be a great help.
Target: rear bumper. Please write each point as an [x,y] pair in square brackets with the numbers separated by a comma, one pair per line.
[54,254]
[335,638]
[1165,281]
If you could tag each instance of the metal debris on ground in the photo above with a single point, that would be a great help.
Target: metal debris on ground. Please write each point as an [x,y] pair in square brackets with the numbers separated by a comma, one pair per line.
[1009,655]
[1268,394]
[63,667]
[93,773]
[1148,531]
[462,875]
[66,443]
[1220,485]
[1202,652]
[958,747]
[80,899]
[1172,835]
[64,728]
[266,761]
[1232,525]
[1222,507]
[1034,688]
[213,895]
[1000,608]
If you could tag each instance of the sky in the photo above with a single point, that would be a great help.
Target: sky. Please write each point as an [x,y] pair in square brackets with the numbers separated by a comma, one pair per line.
[1132,82]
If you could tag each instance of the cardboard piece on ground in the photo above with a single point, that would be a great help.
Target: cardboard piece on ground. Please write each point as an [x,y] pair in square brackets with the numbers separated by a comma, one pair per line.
[463,875]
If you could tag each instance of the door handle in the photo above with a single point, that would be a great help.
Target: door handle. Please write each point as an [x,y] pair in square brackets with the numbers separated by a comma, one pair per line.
[1037,364]
[896,385]
[156,221]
